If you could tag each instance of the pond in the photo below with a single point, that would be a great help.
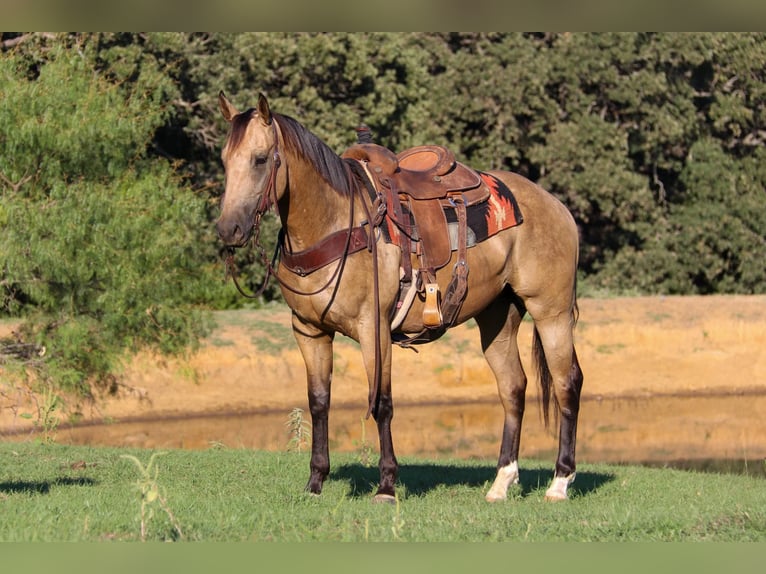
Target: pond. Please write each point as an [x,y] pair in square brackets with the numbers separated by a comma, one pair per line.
[718,432]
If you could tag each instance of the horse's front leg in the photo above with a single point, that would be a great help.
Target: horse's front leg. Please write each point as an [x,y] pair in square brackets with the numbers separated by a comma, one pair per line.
[382,408]
[316,348]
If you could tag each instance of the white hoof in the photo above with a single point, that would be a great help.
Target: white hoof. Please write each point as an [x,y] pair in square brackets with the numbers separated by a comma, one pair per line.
[506,476]
[384,499]
[495,497]
[558,489]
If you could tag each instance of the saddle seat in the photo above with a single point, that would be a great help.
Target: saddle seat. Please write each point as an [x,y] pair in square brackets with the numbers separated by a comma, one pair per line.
[422,172]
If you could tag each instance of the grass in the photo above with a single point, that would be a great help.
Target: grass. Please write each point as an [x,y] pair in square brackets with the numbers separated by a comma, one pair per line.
[51,492]
[609,349]
[272,337]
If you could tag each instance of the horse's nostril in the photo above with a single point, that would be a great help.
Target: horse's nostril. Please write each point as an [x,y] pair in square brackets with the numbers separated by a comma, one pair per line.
[230,232]
[225,232]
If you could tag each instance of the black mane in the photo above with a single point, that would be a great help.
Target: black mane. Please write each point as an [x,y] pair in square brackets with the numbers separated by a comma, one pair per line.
[300,141]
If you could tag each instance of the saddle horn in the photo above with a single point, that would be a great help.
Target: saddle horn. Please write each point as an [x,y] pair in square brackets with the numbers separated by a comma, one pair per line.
[363,134]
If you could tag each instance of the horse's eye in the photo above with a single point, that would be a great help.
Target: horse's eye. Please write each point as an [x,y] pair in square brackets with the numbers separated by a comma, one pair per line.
[259,160]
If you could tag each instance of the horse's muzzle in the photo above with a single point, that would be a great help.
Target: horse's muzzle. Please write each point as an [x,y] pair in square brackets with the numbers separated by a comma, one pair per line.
[233,233]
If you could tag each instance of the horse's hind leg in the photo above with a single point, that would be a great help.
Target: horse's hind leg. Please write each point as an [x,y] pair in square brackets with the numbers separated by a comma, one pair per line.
[558,366]
[499,325]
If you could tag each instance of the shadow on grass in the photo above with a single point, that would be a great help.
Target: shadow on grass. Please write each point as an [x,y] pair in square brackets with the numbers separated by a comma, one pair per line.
[42,486]
[419,479]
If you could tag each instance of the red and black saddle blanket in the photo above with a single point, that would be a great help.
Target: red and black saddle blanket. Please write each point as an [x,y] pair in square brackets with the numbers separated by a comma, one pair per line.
[498,212]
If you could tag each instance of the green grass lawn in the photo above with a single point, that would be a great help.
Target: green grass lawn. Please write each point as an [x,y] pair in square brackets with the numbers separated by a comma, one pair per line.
[62,493]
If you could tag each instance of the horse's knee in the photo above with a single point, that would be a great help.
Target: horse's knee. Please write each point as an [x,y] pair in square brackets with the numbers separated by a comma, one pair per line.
[319,402]
[385,409]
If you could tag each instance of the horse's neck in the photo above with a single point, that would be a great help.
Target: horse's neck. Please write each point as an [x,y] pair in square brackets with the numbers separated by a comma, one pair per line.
[311,209]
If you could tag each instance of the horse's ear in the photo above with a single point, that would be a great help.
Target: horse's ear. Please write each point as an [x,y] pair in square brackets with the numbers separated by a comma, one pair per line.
[227,108]
[263,109]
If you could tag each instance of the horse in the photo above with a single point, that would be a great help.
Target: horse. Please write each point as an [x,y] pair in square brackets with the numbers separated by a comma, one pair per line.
[272,161]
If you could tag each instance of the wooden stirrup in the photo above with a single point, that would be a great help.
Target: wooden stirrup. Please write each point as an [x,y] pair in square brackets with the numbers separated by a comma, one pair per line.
[432,314]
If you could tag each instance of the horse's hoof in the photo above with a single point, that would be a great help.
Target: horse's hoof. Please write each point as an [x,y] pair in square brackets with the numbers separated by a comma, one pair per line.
[384,499]
[312,491]
[558,489]
[491,497]
[506,476]
[555,497]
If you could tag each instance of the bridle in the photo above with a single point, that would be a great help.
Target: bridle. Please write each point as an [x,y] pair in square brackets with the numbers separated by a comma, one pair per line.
[271,184]
[268,199]
[263,206]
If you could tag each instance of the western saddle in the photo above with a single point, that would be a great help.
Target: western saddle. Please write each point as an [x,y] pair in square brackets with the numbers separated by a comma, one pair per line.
[416,186]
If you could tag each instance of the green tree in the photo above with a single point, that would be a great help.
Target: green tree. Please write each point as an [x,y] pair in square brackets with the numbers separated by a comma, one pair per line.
[715,241]
[697,142]
[609,122]
[102,247]
[653,140]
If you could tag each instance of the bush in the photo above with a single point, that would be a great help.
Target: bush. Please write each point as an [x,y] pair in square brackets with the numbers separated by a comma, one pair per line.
[100,245]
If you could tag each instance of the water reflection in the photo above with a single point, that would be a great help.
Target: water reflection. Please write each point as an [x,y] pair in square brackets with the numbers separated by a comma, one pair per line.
[666,431]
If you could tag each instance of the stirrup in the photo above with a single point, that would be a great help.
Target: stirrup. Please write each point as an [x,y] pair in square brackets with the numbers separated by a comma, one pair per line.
[432,314]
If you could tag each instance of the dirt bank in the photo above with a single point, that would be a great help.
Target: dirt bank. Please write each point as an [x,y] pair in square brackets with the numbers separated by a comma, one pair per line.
[627,347]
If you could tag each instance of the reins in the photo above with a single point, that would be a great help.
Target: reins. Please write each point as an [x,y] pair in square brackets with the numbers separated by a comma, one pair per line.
[375,395]
[231,268]
[261,208]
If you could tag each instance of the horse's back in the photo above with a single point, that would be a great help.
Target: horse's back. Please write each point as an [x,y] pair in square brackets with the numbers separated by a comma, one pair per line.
[536,202]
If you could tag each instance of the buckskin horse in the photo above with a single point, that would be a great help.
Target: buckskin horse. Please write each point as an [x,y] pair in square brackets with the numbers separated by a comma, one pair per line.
[387,249]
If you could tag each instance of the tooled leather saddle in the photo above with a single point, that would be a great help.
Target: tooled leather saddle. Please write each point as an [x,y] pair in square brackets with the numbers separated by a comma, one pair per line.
[418,186]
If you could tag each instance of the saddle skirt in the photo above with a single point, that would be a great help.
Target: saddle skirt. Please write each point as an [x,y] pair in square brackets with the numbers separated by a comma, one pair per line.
[498,211]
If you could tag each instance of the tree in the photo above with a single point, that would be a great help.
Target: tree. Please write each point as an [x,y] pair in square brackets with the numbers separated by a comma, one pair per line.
[100,244]
[653,140]
[606,121]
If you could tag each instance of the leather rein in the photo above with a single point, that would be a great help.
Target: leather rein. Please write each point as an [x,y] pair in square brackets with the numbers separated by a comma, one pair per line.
[355,239]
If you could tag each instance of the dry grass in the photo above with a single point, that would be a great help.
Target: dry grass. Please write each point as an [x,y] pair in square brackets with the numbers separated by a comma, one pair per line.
[628,347]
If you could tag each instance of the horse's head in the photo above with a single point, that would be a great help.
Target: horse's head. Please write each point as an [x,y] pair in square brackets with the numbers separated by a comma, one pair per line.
[250,160]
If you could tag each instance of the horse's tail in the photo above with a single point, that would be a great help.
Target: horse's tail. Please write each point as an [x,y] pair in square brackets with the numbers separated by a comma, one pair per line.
[541,366]
[543,375]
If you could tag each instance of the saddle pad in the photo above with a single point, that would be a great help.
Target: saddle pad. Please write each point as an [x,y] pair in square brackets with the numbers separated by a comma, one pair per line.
[501,211]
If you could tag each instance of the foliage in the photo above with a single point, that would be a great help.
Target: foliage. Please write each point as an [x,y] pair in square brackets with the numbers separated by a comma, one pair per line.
[299,431]
[100,243]
[609,122]
[152,494]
